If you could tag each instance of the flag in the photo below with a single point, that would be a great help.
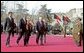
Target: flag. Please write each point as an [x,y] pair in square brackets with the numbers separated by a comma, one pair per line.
[65,18]
[68,20]
[57,21]
[57,17]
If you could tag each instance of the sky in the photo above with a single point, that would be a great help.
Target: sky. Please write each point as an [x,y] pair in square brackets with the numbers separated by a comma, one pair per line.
[55,6]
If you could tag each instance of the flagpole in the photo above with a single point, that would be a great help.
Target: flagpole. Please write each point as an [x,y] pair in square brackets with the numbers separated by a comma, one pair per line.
[64,23]
[64,31]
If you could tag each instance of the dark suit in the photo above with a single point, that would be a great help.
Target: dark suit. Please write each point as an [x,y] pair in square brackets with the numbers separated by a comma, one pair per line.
[8,27]
[22,28]
[1,28]
[40,29]
[45,31]
[14,28]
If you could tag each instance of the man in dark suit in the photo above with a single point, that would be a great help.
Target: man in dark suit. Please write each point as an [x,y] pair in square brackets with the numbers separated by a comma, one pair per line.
[22,28]
[45,28]
[40,30]
[8,27]
[1,28]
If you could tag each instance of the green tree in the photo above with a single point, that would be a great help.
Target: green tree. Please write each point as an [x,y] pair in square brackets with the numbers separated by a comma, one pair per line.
[45,13]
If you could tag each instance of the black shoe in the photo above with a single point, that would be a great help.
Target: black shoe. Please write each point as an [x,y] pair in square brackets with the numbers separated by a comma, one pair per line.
[17,42]
[37,42]
[44,41]
[8,45]
[42,44]
[25,44]
[12,35]
[79,45]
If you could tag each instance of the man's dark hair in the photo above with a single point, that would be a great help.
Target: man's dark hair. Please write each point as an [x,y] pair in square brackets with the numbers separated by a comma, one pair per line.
[71,28]
[79,19]
[10,12]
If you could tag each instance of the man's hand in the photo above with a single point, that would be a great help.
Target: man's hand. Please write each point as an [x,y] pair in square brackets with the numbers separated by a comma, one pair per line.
[78,33]
[36,31]
[20,30]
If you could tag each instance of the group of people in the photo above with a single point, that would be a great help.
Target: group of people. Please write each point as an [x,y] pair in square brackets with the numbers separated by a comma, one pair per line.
[25,29]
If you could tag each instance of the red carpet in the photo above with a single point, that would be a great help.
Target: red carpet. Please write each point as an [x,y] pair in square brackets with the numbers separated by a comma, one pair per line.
[54,44]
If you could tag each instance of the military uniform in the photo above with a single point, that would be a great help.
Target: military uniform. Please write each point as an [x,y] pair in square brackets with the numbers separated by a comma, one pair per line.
[76,32]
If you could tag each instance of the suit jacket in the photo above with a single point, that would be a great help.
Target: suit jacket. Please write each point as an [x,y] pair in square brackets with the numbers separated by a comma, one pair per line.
[45,26]
[9,24]
[22,25]
[1,28]
[40,26]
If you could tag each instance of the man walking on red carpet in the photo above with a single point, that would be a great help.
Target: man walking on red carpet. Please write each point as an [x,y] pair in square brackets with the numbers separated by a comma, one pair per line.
[9,27]
[40,30]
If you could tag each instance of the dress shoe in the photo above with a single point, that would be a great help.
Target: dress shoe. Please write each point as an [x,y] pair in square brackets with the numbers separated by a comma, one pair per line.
[8,45]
